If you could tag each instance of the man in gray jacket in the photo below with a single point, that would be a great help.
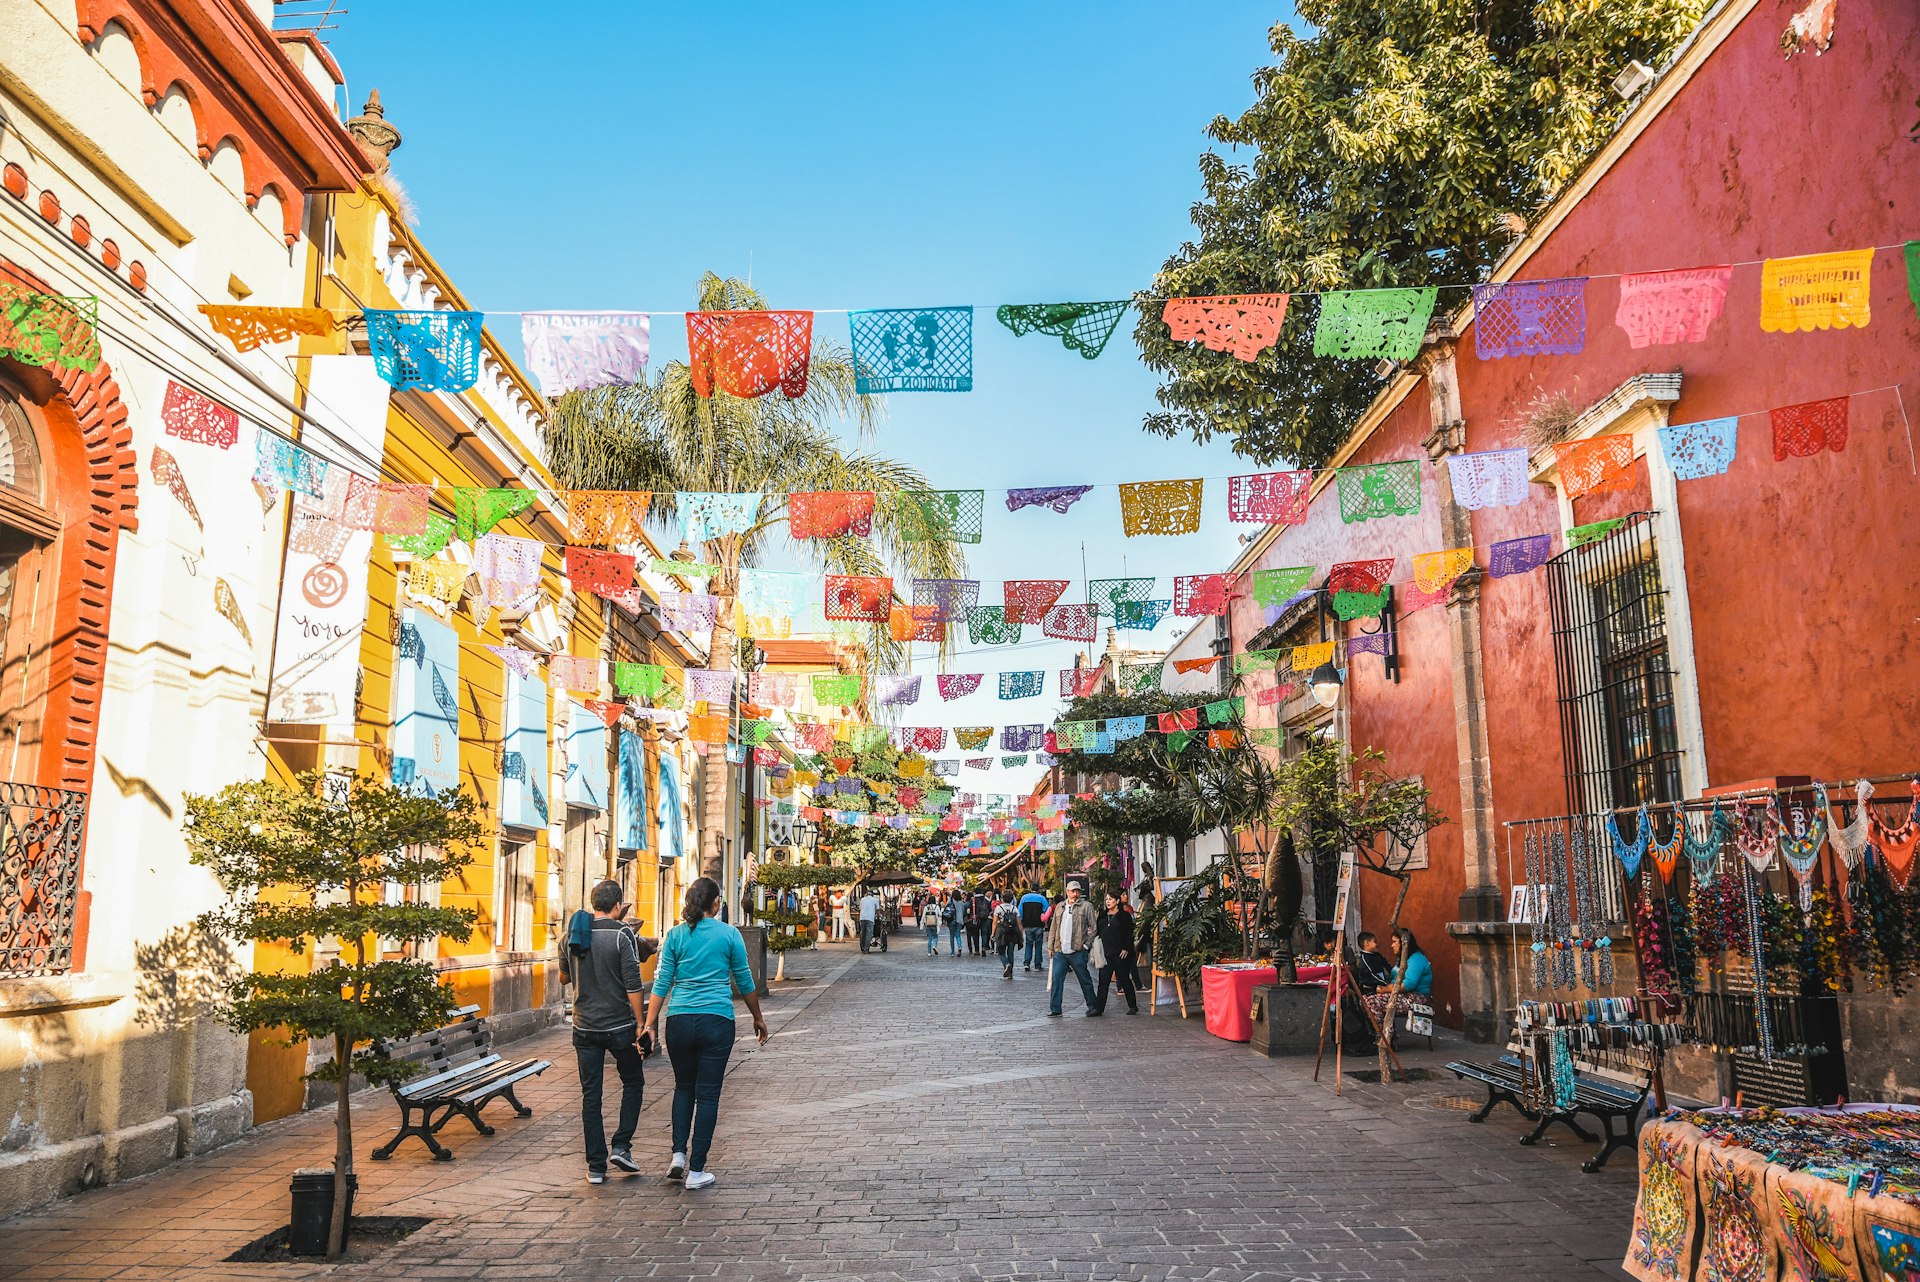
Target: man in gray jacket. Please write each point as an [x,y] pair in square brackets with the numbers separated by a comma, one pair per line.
[1070,931]
[607,1001]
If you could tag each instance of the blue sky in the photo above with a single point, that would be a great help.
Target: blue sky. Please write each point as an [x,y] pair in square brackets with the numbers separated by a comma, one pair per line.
[849,155]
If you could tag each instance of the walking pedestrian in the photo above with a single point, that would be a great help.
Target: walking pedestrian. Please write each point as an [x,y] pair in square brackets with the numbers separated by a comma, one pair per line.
[869,918]
[1033,922]
[701,963]
[842,927]
[1070,933]
[930,922]
[978,914]
[1115,927]
[1007,932]
[954,914]
[818,904]
[608,998]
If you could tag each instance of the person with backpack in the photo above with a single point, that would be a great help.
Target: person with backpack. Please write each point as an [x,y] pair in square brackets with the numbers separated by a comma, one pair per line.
[954,913]
[979,920]
[1033,923]
[602,961]
[1007,932]
[930,922]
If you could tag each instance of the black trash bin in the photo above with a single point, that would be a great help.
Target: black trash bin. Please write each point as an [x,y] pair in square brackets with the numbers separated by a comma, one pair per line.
[313,1210]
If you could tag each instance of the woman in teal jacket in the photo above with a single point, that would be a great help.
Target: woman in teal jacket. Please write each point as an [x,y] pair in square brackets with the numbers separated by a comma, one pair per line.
[1415,972]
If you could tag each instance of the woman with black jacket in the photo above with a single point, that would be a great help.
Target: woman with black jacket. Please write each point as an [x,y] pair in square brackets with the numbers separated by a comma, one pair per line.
[1115,928]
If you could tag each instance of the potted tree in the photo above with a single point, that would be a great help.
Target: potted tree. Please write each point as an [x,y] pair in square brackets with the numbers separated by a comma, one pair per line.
[310,862]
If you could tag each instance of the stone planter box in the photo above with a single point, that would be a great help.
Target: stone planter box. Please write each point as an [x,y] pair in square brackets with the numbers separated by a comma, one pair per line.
[1286,1018]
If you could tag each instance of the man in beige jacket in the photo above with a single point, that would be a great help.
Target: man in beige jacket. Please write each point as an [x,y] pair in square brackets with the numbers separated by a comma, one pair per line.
[1070,930]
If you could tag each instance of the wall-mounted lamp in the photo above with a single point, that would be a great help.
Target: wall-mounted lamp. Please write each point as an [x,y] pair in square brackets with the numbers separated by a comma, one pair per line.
[1325,684]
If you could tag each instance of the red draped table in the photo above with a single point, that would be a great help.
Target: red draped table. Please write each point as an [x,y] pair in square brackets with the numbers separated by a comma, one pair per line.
[1226,994]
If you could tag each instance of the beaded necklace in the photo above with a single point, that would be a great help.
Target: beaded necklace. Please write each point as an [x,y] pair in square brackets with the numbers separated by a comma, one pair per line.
[1538,909]
[1629,853]
[1801,851]
[1667,856]
[1560,1060]
[1704,854]
[1896,845]
[1583,903]
[1850,841]
[1750,834]
[1562,916]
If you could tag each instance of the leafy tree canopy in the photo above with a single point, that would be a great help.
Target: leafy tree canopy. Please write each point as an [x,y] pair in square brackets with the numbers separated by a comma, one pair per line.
[1398,143]
[1153,805]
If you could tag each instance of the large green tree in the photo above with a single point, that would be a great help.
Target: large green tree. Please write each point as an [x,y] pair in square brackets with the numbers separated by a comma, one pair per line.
[662,436]
[1394,143]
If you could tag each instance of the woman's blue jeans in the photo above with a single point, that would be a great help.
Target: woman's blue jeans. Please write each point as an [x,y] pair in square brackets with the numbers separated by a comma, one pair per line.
[698,1046]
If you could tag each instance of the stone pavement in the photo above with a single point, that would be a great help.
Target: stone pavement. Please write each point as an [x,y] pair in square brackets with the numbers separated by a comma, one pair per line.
[918,1119]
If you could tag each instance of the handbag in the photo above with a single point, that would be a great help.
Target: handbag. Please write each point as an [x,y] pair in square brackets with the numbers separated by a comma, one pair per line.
[1099,954]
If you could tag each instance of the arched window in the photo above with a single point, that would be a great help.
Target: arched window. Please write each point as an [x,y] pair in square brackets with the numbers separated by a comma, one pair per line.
[28,582]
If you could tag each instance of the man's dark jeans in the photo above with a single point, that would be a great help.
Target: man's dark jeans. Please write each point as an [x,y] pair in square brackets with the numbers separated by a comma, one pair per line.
[699,1047]
[591,1050]
[1036,938]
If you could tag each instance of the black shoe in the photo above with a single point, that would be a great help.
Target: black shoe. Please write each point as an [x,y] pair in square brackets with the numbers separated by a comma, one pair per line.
[1007,973]
[1133,1010]
[623,1160]
[1095,1014]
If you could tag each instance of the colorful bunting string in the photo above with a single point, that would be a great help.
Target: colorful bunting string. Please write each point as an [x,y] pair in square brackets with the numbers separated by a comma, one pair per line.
[1269,498]
[1070,623]
[941,516]
[576,351]
[920,349]
[1816,291]
[476,511]
[1202,595]
[1434,571]
[1598,463]
[189,416]
[1379,490]
[1244,324]
[1022,685]
[1359,605]
[49,330]
[1080,327]
[1360,576]
[607,518]
[250,327]
[749,354]
[989,625]
[1056,497]
[1800,431]
[1141,616]
[1530,318]
[601,573]
[1160,507]
[945,600]
[1366,324]
[435,351]
[1698,450]
[863,598]
[1278,586]
[1493,478]
[1028,600]
[955,685]
[1671,307]
[1592,532]
[1518,556]
[830,514]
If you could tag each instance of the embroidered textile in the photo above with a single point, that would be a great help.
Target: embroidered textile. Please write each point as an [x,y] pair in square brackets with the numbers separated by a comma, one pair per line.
[689,611]
[1160,507]
[863,598]
[1433,571]
[1360,576]
[1105,594]
[1592,532]
[166,471]
[1269,498]
[573,351]
[1178,719]
[1800,431]
[49,330]
[1671,307]
[280,462]
[515,660]
[1278,586]
[1244,324]
[1070,623]
[1078,683]
[895,690]
[607,518]
[840,689]
[1359,324]
[1201,595]
[200,419]
[1360,605]
[250,327]
[709,685]
[1258,660]
[944,600]
[1028,600]
[1138,678]
[601,573]
[972,738]
[438,534]
[384,508]
[437,351]
[476,511]
[1057,497]
[1816,291]
[1308,657]
[1369,643]
[1021,738]
[1022,685]
[1141,616]
[749,354]
[830,514]
[908,349]
[1184,666]
[1599,463]
[1492,478]
[989,625]
[441,581]
[1734,1246]
[578,674]
[706,515]
[1696,450]
[508,567]
[1530,318]
[935,516]
[1080,327]
[1519,556]
[1379,489]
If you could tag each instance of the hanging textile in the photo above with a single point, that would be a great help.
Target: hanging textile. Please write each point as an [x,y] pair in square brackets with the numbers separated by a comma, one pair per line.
[689,611]
[1359,605]
[1410,599]
[578,674]
[1308,657]
[1592,532]
[1124,729]
[1012,763]
[1222,711]
[1223,738]
[49,330]
[1257,660]
[1203,595]
[1375,490]
[476,511]
[1589,466]
[889,691]
[441,581]
[1070,623]
[989,625]
[922,739]
[509,567]
[830,514]
[1530,318]
[1106,594]
[1244,324]
[1080,327]
[1057,497]
[435,351]
[1269,498]
[1367,324]
[1179,719]
[1072,735]
[839,689]
[1022,685]
[1140,616]
[1139,678]
[1519,556]
[189,416]
[1800,431]
[279,462]
[250,327]
[385,509]
[954,685]
[749,354]
[515,660]
[1021,738]
[774,689]
[815,736]
[601,573]
[1184,666]
[1360,576]
[863,598]
[1697,450]
[1369,643]
[945,600]
[972,738]
[912,349]
[639,680]
[574,351]
[1028,600]
[166,471]
[437,535]
[1816,291]
[1434,571]
[770,599]
[607,518]
[1493,478]
[940,516]
[708,728]
[1272,696]
[711,686]
[1078,683]
[915,623]
[706,515]
[1160,507]
[975,763]
[1671,307]
[1279,586]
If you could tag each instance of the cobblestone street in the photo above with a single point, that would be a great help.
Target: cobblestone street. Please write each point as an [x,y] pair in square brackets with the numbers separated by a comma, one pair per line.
[919,1118]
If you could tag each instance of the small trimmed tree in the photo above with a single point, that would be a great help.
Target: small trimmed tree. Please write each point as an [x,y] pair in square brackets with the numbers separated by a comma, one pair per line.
[310,862]
[784,933]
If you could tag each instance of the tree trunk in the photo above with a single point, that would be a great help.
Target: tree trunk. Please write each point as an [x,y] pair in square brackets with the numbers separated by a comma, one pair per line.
[343,1145]
[713,787]
[1399,901]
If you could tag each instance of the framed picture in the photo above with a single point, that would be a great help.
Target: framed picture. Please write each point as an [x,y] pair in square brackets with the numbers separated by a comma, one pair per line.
[1528,905]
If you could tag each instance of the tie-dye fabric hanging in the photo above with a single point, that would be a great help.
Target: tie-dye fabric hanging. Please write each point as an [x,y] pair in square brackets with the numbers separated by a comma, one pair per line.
[517,661]
[912,349]
[1078,683]
[1599,463]
[166,471]
[476,511]
[1021,738]
[1080,327]
[836,689]
[712,686]
[956,685]
[1138,678]
[1141,616]
[1433,571]
[1369,324]
[1359,605]
[1057,497]
[437,535]
[706,515]
[250,327]
[1105,594]
[576,673]
[1530,318]
[773,689]
[1800,431]
[1378,490]
[1258,660]
[1160,507]
[830,514]
[574,351]
[1244,324]
[689,611]
[863,598]
[281,463]
[1070,623]
[436,351]
[1698,450]
[189,416]
[1592,532]
[1671,307]
[989,625]
[1269,498]
[385,508]
[972,738]
[940,516]
[1198,596]
[945,600]
[1028,600]
[1360,576]
[1816,291]
[1280,585]
[749,354]
[441,581]
[49,330]
[1491,478]
[1179,719]
[1518,556]
[1308,657]
[607,518]
[892,691]
[509,567]
[1022,685]
[601,573]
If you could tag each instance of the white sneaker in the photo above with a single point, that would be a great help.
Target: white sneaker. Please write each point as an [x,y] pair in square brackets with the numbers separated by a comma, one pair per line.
[677,1168]
[699,1179]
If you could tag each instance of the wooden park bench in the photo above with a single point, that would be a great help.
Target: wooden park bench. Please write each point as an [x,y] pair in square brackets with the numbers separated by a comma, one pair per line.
[459,1074]
[1601,1093]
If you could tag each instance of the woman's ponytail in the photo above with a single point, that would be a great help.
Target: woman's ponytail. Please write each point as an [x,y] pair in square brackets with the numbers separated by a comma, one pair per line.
[701,896]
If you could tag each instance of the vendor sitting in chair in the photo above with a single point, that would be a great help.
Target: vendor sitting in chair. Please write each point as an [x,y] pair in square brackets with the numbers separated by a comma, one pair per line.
[1412,984]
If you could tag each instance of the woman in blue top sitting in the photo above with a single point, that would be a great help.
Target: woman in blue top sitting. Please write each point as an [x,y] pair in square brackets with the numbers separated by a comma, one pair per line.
[700,962]
[1415,972]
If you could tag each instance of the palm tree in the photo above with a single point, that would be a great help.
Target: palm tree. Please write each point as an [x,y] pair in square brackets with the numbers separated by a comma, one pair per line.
[662,436]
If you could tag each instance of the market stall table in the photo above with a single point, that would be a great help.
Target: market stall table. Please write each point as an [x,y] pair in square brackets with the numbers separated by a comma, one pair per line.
[1226,994]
